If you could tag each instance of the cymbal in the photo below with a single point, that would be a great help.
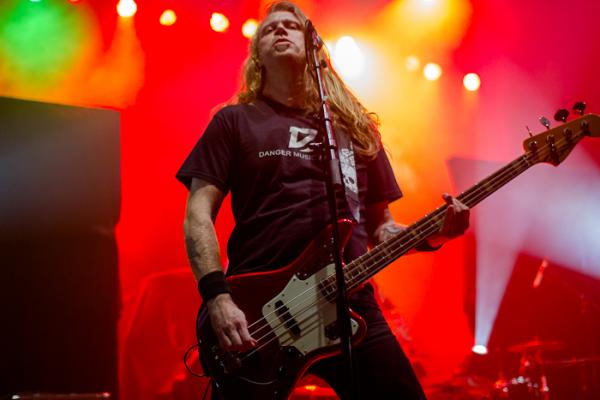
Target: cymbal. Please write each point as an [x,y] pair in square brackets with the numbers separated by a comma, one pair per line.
[570,362]
[536,344]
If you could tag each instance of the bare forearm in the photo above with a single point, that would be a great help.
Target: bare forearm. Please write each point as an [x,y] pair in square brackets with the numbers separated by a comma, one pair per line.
[202,246]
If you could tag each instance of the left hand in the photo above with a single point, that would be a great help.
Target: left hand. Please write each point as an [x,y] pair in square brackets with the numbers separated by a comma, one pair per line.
[456,221]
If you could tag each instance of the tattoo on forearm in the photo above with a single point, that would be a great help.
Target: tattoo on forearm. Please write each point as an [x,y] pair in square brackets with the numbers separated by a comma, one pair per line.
[390,231]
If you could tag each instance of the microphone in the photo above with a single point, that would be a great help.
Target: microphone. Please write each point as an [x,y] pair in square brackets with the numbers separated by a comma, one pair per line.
[537,281]
[311,37]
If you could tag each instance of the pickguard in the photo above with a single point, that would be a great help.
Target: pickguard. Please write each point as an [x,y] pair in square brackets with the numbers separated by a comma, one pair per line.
[301,316]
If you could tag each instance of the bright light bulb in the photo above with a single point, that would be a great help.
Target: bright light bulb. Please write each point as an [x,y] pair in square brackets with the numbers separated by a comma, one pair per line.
[471,82]
[168,18]
[249,28]
[479,349]
[432,71]
[348,58]
[219,22]
[126,8]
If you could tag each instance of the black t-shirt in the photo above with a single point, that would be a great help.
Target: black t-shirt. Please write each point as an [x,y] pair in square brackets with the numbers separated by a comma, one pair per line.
[262,154]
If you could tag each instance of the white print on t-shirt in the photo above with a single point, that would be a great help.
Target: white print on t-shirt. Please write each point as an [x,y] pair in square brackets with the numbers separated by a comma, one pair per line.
[300,138]
[285,153]
[348,169]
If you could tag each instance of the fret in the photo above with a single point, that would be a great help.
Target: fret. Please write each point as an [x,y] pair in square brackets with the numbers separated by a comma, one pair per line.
[386,252]
[492,183]
[357,271]
[416,235]
[353,273]
[360,268]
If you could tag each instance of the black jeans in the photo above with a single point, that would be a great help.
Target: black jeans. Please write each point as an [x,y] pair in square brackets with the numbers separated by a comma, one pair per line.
[382,370]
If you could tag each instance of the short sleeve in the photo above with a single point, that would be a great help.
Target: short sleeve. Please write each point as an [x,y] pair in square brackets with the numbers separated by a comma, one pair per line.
[382,185]
[212,157]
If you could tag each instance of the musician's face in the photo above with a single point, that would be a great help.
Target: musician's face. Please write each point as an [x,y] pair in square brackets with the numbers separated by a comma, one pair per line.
[281,40]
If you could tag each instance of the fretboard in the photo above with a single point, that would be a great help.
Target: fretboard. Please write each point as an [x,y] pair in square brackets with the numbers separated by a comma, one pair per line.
[364,267]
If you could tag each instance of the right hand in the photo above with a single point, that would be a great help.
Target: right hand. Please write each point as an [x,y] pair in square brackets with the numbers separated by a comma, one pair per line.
[229,324]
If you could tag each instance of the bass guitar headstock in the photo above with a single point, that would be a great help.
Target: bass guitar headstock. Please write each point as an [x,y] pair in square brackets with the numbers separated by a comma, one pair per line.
[555,144]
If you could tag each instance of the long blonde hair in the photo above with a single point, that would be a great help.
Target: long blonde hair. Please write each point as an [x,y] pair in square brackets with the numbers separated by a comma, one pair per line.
[347,112]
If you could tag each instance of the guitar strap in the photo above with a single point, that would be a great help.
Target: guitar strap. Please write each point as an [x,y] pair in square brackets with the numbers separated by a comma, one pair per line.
[348,166]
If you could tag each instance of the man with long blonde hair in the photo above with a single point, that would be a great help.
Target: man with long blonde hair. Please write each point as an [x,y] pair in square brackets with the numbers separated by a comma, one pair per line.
[264,150]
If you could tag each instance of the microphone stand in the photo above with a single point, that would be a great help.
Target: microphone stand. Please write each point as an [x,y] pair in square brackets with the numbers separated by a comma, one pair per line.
[333,180]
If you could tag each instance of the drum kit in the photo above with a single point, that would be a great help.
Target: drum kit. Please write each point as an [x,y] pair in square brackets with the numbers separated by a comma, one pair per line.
[535,370]
[538,378]
[532,382]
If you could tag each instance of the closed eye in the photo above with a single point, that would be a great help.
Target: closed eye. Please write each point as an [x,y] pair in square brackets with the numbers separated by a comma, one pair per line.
[267,29]
[292,25]
[288,24]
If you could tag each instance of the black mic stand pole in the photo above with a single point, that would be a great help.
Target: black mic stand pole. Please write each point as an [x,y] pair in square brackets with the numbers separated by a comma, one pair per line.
[333,181]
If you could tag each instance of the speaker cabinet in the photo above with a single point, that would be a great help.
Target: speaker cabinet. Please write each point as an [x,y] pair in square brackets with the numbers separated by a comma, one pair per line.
[59,287]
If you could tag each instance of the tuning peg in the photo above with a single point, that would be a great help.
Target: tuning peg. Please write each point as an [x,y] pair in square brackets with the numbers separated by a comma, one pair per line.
[561,115]
[545,121]
[579,107]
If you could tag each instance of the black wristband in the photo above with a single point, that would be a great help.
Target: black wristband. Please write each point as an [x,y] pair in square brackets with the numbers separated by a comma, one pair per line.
[425,246]
[213,284]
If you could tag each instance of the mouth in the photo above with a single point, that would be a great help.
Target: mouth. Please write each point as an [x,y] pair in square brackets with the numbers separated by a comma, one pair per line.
[280,41]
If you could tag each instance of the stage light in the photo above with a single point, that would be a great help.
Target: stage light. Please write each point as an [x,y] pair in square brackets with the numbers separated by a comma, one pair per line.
[35,1]
[249,28]
[348,58]
[168,18]
[310,388]
[471,82]
[479,349]
[126,8]
[432,71]
[219,22]
[412,63]
[74,1]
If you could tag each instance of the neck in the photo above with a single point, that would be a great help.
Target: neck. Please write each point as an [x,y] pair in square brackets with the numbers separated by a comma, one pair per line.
[286,87]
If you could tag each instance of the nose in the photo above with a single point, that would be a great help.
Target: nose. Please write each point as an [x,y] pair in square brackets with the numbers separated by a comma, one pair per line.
[280,29]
